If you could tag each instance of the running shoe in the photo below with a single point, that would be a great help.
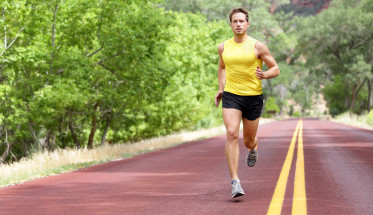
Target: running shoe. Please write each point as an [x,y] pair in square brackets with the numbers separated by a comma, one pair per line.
[251,158]
[237,189]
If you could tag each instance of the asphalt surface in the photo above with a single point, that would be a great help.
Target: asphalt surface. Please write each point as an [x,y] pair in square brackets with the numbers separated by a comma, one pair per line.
[193,178]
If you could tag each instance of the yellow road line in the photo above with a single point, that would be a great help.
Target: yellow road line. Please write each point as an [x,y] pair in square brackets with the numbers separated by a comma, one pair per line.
[278,196]
[299,197]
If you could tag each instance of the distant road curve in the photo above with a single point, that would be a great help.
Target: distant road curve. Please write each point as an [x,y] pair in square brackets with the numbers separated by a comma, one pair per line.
[330,162]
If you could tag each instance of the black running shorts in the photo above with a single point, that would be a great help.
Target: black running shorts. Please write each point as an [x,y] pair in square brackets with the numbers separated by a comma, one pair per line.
[250,106]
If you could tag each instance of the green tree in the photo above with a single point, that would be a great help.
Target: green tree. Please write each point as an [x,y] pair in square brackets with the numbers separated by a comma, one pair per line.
[79,73]
[80,62]
[338,43]
[271,106]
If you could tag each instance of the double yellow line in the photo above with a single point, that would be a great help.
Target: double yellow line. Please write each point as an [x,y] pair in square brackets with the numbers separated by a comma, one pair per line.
[299,196]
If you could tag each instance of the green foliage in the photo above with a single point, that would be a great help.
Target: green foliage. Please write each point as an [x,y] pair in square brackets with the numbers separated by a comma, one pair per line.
[95,70]
[339,90]
[262,24]
[214,10]
[369,118]
[75,73]
[80,60]
[270,105]
[334,95]
[296,114]
[344,59]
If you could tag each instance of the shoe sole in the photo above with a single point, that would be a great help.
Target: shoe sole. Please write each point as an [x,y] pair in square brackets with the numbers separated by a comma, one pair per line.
[238,195]
[251,160]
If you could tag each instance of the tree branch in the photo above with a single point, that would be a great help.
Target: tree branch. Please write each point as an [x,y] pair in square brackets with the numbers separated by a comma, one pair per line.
[34,135]
[58,44]
[16,37]
[361,85]
[105,67]
[4,33]
[334,51]
[73,134]
[53,36]
[8,147]
[93,53]
[105,59]
[369,56]
[5,42]
[107,125]
[6,152]
[54,24]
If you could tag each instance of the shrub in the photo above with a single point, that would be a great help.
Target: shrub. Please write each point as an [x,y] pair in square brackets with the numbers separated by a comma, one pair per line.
[270,105]
[369,118]
[296,114]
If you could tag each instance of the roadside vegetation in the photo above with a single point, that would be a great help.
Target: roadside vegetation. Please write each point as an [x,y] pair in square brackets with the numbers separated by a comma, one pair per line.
[362,121]
[85,74]
[47,163]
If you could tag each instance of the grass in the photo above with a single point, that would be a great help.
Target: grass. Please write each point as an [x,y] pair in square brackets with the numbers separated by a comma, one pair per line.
[43,164]
[353,120]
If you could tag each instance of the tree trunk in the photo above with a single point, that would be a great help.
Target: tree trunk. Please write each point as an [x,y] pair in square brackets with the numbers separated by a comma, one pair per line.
[5,39]
[36,140]
[6,46]
[49,141]
[369,95]
[355,93]
[8,149]
[6,152]
[351,103]
[347,96]
[53,36]
[93,128]
[24,148]
[369,81]
[62,138]
[13,156]
[73,134]
[107,125]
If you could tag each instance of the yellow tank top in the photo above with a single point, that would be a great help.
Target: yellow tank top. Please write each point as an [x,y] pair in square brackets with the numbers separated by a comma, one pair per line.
[240,65]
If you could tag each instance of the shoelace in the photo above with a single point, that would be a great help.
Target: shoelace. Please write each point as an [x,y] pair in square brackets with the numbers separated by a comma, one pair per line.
[252,156]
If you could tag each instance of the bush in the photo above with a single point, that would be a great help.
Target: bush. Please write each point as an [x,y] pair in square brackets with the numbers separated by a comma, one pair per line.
[369,118]
[296,114]
[334,112]
[270,105]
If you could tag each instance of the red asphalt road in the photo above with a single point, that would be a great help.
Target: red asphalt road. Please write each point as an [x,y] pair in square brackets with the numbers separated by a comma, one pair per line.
[193,178]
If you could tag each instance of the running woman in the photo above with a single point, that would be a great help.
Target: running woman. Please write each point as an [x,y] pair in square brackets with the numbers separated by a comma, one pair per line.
[240,74]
